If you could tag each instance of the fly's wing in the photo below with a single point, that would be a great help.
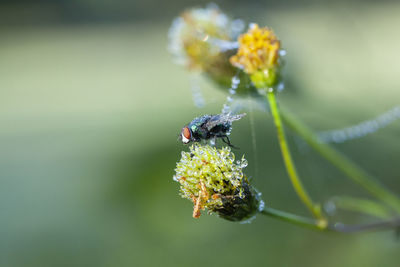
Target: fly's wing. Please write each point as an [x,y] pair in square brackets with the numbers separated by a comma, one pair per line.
[222,119]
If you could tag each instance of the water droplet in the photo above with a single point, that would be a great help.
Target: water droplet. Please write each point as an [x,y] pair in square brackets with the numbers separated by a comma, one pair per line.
[197,94]
[212,142]
[261,205]
[330,207]
[361,129]
[227,109]
[252,25]
[235,80]
[280,87]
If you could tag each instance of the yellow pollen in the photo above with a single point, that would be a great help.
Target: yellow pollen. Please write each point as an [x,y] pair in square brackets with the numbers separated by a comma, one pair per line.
[258,50]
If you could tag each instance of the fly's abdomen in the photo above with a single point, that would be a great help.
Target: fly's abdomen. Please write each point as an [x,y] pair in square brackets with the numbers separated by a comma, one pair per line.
[220,129]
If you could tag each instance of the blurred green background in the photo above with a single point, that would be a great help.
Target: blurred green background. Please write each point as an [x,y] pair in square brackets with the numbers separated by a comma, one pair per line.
[91,105]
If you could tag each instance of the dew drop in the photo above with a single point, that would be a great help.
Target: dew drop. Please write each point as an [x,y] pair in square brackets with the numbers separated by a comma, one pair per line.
[197,94]
[212,142]
[361,129]
[330,207]
[252,25]
[261,205]
[235,81]
[280,87]
[227,108]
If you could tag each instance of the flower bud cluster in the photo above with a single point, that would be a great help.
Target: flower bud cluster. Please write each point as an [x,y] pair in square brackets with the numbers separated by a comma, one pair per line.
[207,40]
[213,180]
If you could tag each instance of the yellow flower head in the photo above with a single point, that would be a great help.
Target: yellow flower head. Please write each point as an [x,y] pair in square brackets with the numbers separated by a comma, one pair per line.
[258,53]
[212,179]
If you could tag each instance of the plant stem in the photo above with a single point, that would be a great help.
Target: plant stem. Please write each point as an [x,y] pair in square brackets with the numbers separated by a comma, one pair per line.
[287,158]
[294,219]
[365,206]
[392,224]
[351,169]
[337,227]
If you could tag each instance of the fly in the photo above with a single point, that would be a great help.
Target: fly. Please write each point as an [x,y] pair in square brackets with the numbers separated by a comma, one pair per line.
[210,127]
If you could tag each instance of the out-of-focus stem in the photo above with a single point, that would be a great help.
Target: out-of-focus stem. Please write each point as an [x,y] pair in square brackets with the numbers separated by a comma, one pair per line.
[336,227]
[348,167]
[365,206]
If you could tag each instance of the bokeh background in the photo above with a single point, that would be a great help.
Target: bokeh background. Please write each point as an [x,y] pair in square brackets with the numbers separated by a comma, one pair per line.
[91,105]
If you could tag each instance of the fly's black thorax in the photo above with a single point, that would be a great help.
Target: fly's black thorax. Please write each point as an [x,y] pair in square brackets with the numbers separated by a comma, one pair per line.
[199,131]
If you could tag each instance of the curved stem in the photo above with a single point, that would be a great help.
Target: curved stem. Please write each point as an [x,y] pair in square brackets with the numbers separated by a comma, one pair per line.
[287,158]
[348,167]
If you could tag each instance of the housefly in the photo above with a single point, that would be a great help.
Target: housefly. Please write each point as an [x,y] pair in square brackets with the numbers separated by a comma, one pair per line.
[209,127]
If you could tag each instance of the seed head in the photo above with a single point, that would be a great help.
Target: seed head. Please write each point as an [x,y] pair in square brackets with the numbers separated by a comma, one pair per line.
[211,179]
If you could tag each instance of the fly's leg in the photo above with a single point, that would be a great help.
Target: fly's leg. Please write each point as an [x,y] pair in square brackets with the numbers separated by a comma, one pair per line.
[226,140]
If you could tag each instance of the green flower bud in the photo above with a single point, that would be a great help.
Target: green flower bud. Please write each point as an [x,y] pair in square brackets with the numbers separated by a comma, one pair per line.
[212,180]
[264,79]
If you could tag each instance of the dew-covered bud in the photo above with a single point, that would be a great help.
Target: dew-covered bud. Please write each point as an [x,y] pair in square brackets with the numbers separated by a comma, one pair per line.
[196,37]
[213,180]
[203,40]
[258,56]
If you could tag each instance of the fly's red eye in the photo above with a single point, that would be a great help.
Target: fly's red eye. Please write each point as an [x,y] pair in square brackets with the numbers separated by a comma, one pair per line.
[186,133]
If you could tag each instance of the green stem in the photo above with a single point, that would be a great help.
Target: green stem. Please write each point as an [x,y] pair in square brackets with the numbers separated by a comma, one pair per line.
[294,219]
[364,206]
[287,158]
[343,163]
[337,227]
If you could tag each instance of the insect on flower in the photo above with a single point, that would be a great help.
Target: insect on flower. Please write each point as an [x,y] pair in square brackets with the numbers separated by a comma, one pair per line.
[209,127]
